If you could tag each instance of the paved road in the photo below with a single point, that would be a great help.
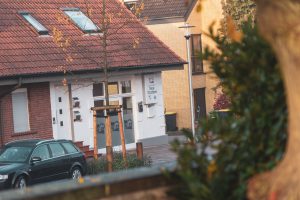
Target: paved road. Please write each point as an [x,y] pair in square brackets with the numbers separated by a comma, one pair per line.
[162,154]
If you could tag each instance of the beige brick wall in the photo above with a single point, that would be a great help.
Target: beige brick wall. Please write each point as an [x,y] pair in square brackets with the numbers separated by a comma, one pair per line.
[175,83]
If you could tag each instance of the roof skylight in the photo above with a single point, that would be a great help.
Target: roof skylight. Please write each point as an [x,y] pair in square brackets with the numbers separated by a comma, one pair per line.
[82,21]
[42,30]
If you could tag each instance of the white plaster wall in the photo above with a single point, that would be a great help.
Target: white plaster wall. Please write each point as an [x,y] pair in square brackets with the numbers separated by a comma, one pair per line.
[149,127]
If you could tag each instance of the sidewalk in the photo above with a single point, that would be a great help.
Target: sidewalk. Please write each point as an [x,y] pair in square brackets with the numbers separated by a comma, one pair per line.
[162,154]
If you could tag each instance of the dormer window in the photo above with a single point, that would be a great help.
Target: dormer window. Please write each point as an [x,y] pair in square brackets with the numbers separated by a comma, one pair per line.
[81,20]
[42,30]
[131,5]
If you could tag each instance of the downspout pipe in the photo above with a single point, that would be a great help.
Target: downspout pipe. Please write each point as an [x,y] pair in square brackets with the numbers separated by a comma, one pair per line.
[2,95]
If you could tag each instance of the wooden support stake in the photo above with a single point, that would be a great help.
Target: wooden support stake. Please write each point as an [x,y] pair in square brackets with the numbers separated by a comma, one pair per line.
[122,136]
[106,107]
[108,131]
[109,150]
[95,135]
[109,158]
[139,150]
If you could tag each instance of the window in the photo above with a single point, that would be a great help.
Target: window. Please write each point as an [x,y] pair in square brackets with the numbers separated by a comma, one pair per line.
[197,64]
[99,103]
[131,6]
[20,110]
[42,152]
[69,147]
[15,154]
[126,86]
[81,20]
[127,105]
[57,150]
[42,30]
[113,88]
[98,89]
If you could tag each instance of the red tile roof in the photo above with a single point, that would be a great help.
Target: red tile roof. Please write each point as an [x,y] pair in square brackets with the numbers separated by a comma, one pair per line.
[24,52]
[159,9]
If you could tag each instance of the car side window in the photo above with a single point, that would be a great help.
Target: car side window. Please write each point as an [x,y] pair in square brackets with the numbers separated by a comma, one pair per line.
[57,150]
[42,152]
[69,147]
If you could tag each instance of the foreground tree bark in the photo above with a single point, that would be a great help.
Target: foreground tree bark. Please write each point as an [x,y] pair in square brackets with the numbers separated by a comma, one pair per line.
[279,23]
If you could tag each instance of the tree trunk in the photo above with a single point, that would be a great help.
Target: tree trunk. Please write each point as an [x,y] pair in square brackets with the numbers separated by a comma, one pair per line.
[279,23]
[109,150]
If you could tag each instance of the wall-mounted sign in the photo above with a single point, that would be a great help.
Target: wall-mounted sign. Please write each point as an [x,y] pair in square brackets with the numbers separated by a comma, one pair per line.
[150,89]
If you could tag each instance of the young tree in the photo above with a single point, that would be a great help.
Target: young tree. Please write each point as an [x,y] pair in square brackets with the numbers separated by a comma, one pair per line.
[279,24]
[111,23]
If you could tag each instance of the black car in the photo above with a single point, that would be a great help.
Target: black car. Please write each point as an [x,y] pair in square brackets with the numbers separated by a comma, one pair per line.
[28,162]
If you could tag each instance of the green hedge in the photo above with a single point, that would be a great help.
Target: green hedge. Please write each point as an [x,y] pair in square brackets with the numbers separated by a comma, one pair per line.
[100,165]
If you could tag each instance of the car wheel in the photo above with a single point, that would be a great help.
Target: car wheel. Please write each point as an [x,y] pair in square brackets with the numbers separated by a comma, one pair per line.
[20,183]
[76,173]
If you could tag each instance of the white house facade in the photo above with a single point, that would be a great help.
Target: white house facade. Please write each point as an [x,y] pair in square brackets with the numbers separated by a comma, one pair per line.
[142,103]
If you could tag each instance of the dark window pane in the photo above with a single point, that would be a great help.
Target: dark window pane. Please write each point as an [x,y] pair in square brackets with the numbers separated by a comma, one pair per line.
[99,103]
[113,112]
[196,44]
[57,150]
[69,147]
[126,86]
[197,64]
[127,105]
[41,152]
[98,89]
[15,154]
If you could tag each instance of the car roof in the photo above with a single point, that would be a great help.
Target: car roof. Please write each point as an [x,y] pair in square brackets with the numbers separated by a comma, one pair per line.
[33,142]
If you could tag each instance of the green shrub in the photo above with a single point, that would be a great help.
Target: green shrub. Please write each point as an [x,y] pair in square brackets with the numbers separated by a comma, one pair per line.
[250,140]
[100,165]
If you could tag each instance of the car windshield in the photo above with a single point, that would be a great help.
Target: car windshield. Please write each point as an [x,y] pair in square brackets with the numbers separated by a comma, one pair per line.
[15,154]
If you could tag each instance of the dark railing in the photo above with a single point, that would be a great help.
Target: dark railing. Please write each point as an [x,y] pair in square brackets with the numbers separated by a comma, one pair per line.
[134,184]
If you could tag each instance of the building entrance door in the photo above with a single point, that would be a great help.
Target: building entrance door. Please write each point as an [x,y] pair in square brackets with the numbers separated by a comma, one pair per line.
[200,104]
[63,120]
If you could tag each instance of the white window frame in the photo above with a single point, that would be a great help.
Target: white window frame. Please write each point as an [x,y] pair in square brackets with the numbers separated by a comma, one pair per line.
[27,128]
[114,96]
[68,12]
[40,28]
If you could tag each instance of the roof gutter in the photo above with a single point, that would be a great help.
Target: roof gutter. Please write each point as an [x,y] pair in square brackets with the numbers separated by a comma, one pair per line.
[99,70]
[2,95]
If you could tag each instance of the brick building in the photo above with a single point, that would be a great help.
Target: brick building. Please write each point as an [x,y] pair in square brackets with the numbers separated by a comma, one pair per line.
[47,89]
